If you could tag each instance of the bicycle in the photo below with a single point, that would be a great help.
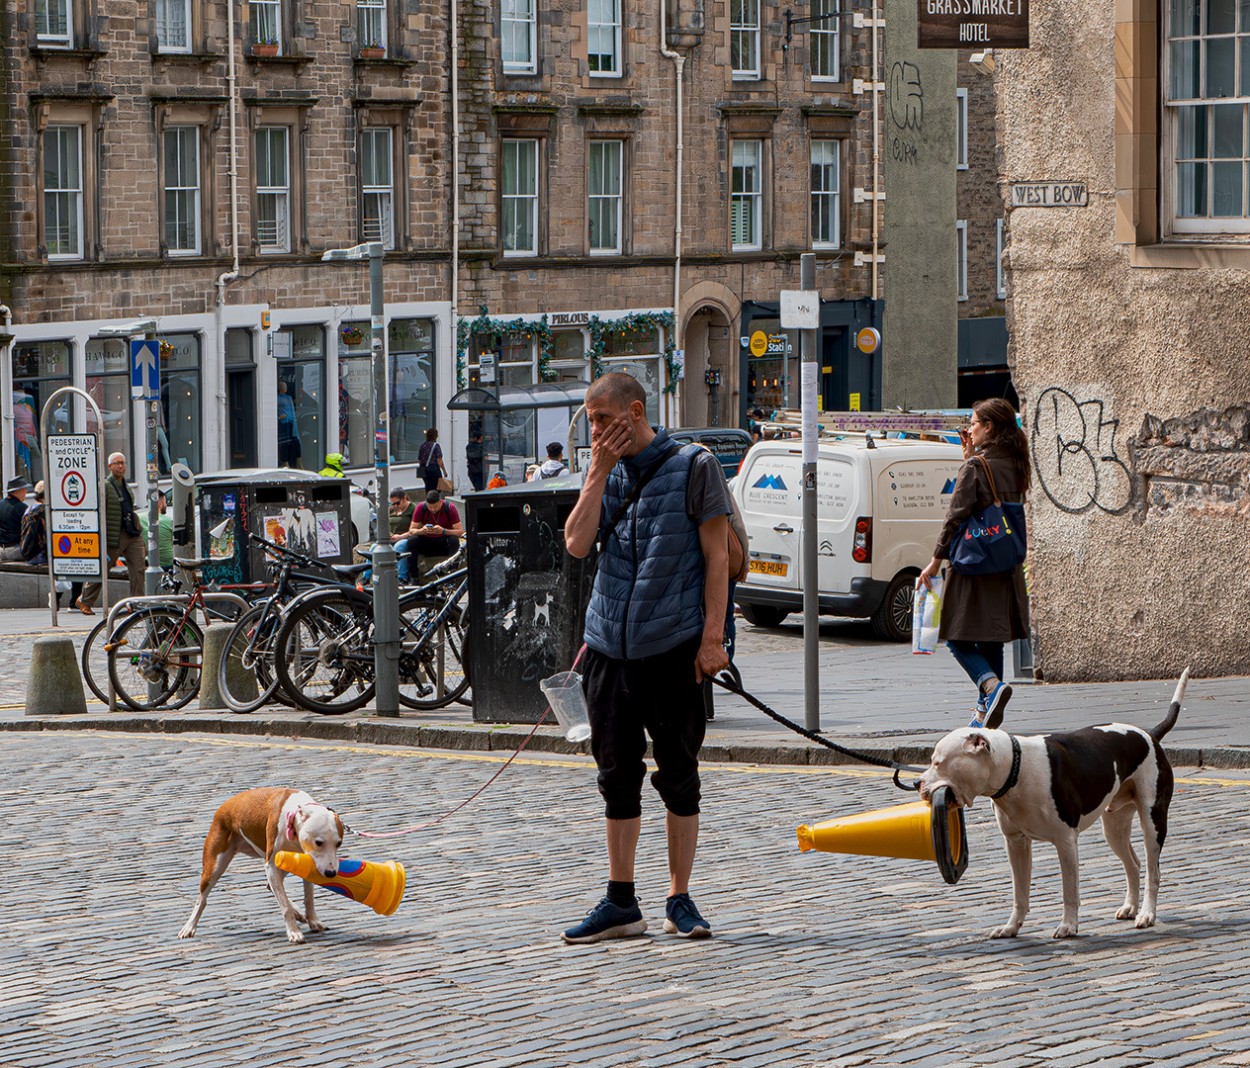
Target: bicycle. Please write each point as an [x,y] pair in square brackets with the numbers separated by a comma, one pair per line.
[324,654]
[156,653]
[246,676]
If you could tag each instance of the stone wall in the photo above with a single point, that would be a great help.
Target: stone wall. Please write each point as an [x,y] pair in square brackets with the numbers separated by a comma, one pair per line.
[1132,371]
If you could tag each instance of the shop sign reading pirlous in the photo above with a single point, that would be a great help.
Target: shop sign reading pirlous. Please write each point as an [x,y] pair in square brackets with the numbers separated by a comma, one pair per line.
[972,24]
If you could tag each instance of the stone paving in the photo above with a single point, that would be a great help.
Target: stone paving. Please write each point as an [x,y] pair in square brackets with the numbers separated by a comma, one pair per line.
[817,959]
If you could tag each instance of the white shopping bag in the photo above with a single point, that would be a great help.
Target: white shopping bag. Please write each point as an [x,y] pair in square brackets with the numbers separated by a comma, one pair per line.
[926,617]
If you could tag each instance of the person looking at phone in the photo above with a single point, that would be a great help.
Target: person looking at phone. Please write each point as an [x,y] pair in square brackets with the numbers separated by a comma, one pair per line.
[436,530]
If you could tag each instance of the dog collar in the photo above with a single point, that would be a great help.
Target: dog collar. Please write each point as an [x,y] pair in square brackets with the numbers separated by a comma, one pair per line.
[1013,776]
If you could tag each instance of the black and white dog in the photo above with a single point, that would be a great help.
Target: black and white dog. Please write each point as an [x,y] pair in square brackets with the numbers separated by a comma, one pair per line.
[1052,786]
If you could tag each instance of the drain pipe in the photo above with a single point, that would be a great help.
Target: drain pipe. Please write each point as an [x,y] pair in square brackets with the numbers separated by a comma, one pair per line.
[679,63]
[876,150]
[229,276]
[453,331]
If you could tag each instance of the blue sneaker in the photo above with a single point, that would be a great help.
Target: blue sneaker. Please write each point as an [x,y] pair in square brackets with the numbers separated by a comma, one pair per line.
[995,704]
[607,920]
[978,713]
[681,917]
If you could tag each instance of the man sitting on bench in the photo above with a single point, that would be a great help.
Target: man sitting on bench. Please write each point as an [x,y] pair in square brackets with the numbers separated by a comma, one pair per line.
[434,535]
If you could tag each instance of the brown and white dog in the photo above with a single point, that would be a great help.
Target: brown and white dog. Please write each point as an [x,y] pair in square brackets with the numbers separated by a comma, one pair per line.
[1051,787]
[259,823]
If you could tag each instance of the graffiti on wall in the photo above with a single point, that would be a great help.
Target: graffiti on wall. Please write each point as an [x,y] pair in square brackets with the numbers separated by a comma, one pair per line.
[906,104]
[1075,457]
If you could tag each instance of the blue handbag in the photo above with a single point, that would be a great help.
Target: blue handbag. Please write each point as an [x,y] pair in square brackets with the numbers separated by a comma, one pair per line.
[991,541]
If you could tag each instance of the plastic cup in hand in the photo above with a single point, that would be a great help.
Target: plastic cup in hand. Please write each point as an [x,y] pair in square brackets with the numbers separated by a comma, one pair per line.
[568,702]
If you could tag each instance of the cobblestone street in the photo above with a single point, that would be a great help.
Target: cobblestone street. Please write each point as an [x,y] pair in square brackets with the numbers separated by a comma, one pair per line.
[817,959]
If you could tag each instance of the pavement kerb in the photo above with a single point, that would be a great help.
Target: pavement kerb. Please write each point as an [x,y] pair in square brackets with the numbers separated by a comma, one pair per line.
[506,738]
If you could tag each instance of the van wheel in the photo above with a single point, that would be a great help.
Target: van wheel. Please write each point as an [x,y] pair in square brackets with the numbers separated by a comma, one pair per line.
[891,621]
[762,615]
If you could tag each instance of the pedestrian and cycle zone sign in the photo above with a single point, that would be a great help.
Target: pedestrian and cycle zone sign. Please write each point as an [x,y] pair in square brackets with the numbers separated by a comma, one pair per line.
[74,505]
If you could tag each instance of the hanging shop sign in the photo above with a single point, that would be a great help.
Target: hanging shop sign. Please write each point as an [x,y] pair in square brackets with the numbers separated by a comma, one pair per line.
[972,24]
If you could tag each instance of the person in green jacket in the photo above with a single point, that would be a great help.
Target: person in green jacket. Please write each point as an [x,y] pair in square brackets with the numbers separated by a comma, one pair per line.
[122,534]
[333,467]
[164,530]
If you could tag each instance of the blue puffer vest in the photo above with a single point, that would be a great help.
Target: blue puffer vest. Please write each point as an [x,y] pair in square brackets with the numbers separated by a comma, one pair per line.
[648,593]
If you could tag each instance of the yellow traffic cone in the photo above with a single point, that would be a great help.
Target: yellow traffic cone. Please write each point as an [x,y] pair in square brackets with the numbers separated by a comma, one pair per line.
[380,886]
[916,831]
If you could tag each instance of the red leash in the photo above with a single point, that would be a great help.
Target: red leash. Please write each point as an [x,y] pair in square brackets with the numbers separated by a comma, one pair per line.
[503,767]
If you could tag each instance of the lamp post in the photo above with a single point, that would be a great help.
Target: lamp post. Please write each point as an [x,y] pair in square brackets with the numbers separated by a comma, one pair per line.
[151,413]
[385,570]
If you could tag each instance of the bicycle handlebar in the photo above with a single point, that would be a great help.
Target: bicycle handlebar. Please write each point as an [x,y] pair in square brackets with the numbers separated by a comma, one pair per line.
[273,548]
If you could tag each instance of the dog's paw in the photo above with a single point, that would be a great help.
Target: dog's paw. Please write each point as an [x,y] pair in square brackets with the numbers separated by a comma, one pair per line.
[1065,930]
[317,926]
[1126,912]
[295,936]
[1144,920]
[1007,930]
[300,918]
[187,932]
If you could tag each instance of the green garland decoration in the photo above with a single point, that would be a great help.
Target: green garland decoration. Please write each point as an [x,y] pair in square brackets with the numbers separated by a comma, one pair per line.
[600,331]
[497,330]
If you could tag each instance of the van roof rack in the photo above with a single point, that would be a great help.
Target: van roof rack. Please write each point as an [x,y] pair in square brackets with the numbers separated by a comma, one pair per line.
[831,424]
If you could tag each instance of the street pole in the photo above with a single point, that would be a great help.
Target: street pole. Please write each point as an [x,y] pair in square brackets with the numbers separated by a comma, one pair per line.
[152,407]
[386,645]
[811,581]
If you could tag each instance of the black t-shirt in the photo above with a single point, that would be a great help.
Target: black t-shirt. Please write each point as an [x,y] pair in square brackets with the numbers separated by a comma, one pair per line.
[11,512]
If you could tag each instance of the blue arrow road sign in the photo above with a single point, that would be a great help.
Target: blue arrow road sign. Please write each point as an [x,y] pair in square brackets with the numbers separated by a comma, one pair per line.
[145,370]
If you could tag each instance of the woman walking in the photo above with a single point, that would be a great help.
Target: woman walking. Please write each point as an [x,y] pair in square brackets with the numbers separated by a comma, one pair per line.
[982,612]
[430,460]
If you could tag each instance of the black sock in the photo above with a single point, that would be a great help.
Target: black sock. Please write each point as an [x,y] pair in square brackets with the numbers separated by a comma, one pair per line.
[621,894]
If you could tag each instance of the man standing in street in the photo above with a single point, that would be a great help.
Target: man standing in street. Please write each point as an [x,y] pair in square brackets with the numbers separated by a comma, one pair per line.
[124,540]
[654,636]
[12,508]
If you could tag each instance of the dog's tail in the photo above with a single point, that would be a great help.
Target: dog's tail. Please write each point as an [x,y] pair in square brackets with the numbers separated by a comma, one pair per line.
[1174,709]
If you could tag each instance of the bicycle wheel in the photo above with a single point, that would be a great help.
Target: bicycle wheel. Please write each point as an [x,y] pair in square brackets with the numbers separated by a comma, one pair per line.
[433,668]
[246,675]
[95,662]
[324,652]
[156,660]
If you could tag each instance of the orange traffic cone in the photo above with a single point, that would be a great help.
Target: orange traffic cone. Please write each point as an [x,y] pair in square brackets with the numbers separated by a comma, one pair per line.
[917,831]
[380,886]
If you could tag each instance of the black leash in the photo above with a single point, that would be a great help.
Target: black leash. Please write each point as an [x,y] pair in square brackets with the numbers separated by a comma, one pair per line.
[863,758]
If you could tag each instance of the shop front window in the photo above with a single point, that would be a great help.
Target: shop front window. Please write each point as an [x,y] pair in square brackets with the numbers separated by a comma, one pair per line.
[301,416]
[39,370]
[178,439]
[771,382]
[637,353]
[356,393]
[510,360]
[108,382]
[410,343]
[568,356]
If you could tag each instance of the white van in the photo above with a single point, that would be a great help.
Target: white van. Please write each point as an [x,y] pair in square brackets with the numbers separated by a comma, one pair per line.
[880,505]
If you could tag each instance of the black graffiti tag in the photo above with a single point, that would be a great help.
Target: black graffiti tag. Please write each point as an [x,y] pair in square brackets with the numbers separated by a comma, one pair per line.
[906,96]
[1074,455]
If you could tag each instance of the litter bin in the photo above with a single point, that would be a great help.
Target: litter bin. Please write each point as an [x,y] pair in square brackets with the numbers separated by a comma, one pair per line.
[298,509]
[527,597]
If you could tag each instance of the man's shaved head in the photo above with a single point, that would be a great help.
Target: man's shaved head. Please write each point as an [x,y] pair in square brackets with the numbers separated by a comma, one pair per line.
[618,390]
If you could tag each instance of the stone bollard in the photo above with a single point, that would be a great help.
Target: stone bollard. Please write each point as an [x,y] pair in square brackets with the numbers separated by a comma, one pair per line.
[55,687]
[214,646]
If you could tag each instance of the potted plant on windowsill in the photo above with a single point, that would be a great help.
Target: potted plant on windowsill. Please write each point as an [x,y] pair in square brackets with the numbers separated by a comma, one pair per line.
[265,49]
[372,50]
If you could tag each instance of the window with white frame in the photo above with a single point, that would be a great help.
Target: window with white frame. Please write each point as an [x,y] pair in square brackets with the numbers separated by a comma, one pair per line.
[265,22]
[961,129]
[518,25]
[746,196]
[519,197]
[603,37]
[54,23]
[744,38]
[377,185]
[826,195]
[1206,90]
[273,189]
[605,186]
[1000,274]
[825,43]
[371,24]
[173,25]
[63,192]
[961,258]
[182,190]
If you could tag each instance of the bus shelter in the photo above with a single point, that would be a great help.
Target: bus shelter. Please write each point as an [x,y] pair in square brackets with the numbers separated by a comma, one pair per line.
[517,423]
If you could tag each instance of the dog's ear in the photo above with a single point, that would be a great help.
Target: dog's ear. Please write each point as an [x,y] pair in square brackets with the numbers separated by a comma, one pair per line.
[976,742]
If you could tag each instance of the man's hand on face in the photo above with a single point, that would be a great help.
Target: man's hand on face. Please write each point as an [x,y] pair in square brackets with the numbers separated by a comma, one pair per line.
[610,444]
